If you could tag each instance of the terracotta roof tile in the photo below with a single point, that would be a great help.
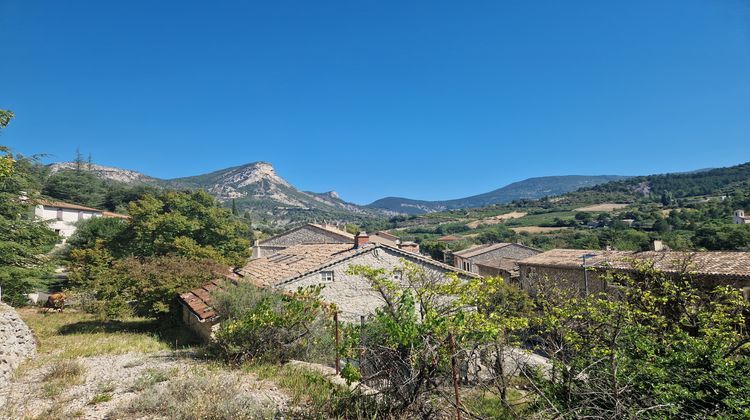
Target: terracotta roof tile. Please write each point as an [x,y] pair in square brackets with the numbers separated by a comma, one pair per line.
[291,263]
[722,263]
[346,236]
[63,205]
[480,249]
[115,215]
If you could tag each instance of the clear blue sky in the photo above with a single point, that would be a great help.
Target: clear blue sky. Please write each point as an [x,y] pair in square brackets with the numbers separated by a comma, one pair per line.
[423,99]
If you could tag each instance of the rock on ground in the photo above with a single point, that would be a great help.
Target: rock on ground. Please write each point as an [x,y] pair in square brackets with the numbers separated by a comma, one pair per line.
[17,343]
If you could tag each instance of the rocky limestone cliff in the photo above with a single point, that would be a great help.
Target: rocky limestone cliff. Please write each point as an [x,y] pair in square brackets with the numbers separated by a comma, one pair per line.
[105,172]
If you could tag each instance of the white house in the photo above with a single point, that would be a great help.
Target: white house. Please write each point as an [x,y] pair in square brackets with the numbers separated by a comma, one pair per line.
[62,217]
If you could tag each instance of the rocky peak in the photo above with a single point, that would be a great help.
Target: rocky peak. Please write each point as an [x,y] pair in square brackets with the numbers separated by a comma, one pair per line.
[253,173]
[104,172]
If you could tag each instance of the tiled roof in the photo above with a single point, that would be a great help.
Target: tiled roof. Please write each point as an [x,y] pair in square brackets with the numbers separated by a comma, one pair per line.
[508,264]
[290,264]
[299,260]
[480,249]
[379,238]
[330,229]
[386,235]
[334,230]
[115,215]
[292,261]
[200,301]
[723,263]
[63,205]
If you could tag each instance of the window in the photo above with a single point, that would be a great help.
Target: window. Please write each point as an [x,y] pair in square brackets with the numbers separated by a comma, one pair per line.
[80,215]
[466,266]
[59,214]
[326,276]
[746,293]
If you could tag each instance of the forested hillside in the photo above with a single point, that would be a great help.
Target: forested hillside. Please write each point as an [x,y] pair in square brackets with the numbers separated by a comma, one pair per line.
[532,188]
[688,211]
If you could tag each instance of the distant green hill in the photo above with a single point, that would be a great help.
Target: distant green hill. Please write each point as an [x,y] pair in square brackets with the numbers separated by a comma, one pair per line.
[532,188]
[716,181]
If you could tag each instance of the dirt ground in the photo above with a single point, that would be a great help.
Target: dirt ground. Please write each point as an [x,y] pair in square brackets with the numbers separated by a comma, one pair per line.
[92,369]
[603,207]
[536,229]
[500,218]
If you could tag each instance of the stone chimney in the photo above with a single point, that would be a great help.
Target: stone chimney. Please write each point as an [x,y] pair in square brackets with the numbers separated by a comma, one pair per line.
[361,238]
[658,246]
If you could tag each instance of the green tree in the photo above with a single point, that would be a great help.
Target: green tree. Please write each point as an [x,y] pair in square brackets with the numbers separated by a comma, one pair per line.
[23,240]
[664,347]
[76,186]
[98,230]
[188,224]
[6,161]
[147,286]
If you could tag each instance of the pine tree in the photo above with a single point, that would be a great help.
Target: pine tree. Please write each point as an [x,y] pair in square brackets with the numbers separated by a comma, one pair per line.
[79,160]
[234,208]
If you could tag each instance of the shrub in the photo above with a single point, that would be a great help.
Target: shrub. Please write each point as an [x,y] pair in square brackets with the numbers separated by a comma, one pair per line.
[261,324]
[146,287]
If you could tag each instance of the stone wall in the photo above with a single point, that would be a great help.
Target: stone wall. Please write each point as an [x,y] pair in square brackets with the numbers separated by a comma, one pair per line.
[353,295]
[17,343]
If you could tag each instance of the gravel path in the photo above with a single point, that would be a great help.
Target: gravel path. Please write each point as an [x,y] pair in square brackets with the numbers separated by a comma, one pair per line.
[121,378]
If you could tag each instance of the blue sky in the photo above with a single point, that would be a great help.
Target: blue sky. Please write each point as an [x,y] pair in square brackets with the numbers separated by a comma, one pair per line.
[423,99]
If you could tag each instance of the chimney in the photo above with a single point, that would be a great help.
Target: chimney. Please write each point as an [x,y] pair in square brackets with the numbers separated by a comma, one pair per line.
[658,246]
[360,239]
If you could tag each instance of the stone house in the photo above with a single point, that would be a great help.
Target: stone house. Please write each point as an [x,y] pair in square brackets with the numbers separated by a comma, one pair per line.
[309,233]
[493,259]
[318,264]
[566,267]
[62,217]
[740,218]
[394,241]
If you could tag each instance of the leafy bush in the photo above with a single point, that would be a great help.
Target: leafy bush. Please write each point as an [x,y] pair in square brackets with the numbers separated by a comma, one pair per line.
[146,287]
[104,230]
[261,324]
[666,347]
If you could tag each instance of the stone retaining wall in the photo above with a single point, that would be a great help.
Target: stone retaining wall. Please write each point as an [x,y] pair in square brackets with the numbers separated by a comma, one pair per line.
[17,343]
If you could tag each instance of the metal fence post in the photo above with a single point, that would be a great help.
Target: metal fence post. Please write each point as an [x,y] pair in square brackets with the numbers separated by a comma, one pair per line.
[336,322]
[361,344]
[454,368]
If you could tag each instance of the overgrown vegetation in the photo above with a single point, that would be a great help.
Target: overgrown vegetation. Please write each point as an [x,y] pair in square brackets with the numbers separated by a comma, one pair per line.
[23,240]
[172,243]
[262,325]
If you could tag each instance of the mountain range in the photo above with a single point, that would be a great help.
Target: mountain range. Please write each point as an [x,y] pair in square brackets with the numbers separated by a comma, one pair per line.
[258,189]
[532,188]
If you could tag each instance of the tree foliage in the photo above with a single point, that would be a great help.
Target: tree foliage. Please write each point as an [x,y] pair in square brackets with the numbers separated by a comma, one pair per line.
[23,240]
[147,286]
[665,347]
[260,324]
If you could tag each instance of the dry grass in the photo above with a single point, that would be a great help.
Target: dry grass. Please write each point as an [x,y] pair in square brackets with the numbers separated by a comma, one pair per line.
[152,377]
[603,207]
[202,397]
[73,334]
[536,229]
[494,220]
[61,376]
